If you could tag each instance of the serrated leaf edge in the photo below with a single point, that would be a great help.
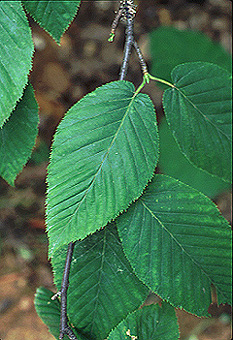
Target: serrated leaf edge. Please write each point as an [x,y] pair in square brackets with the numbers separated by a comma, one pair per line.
[11,183]
[58,42]
[26,83]
[155,291]
[51,250]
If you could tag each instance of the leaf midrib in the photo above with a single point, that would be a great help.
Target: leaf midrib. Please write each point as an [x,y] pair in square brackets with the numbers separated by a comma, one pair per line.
[104,158]
[200,112]
[177,242]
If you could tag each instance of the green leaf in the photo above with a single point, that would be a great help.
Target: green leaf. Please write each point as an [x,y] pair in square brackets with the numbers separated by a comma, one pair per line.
[198,111]
[49,311]
[16,49]
[18,135]
[172,162]
[171,47]
[148,323]
[104,152]
[103,288]
[40,154]
[54,16]
[178,244]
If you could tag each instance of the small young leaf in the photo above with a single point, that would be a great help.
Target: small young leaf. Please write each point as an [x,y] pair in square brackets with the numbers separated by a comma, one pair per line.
[178,244]
[16,49]
[149,323]
[104,153]
[103,288]
[18,136]
[198,111]
[172,162]
[53,16]
[171,47]
[49,311]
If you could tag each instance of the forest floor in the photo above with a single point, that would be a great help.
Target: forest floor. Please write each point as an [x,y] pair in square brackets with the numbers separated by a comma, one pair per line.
[61,75]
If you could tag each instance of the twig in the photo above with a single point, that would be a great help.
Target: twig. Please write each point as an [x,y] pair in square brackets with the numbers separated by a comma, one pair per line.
[115,24]
[141,58]
[70,333]
[64,327]
[128,43]
[128,9]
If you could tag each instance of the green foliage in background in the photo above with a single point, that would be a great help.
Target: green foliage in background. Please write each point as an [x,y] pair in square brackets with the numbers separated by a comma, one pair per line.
[41,153]
[166,236]
[170,47]
[173,163]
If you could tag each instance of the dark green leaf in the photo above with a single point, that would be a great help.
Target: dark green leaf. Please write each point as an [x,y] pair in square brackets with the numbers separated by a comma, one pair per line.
[104,152]
[198,111]
[178,244]
[103,288]
[171,47]
[54,16]
[16,49]
[18,136]
[149,323]
[172,162]
[40,153]
[49,311]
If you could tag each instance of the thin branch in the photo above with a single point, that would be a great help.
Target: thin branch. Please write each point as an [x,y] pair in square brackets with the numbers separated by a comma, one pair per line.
[128,9]
[141,58]
[64,328]
[115,24]
[128,46]
[70,333]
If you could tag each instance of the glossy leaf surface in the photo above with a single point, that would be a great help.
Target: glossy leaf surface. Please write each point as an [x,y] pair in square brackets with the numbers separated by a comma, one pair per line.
[103,288]
[198,111]
[16,49]
[18,136]
[53,16]
[152,322]
[104,152]
[170,47]
[178,244]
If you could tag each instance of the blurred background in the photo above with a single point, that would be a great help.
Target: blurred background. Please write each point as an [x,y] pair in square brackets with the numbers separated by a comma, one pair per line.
[61,75]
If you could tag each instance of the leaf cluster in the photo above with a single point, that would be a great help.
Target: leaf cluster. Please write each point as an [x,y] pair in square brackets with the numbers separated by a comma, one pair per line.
[135,231]
[18,107]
